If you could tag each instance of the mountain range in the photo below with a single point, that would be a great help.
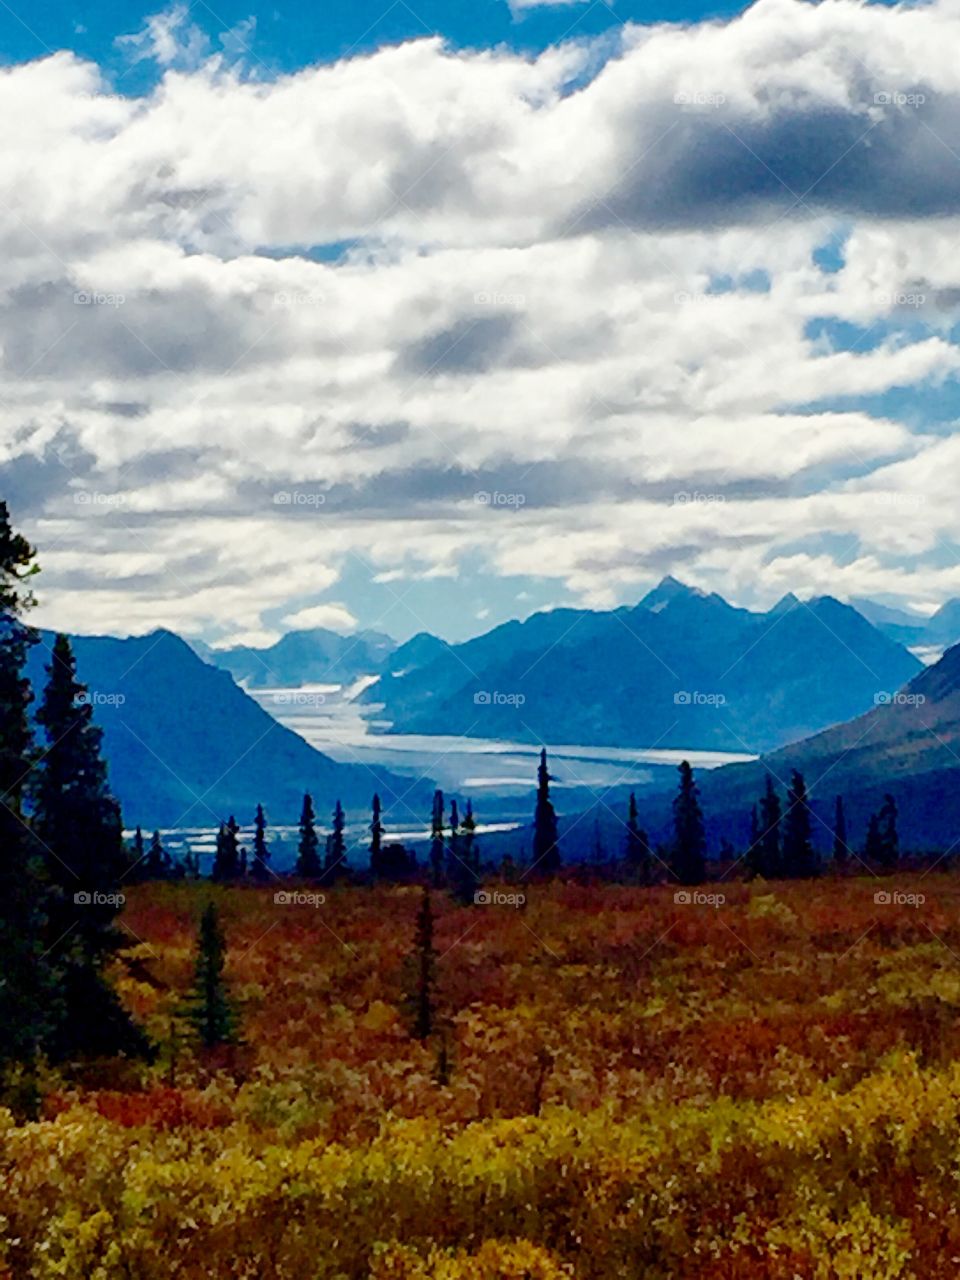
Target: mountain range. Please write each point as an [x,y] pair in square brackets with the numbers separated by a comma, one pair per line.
[316,656]
[187,747]
[680,669]
[917,631]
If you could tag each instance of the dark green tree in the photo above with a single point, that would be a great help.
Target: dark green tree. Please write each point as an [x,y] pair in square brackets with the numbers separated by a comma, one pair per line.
[689,843]
[79,824]
[889,838]
[841,850]
[799,857]
[637,847]
[209,1009]
[873,845]
[336,857]
[546,850]
[770,854]
[28,994]
[137,869]
[436,840]
[308,850]
[158,863]
[260,867]
[376,840]
[470,851]
[226,863]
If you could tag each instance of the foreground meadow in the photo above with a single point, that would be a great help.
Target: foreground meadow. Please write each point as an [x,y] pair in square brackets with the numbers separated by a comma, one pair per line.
[618,1084]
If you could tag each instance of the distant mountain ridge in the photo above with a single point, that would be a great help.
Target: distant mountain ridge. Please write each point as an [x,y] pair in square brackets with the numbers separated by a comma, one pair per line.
[938,631]
[316,656]
[186,746]
[682,668]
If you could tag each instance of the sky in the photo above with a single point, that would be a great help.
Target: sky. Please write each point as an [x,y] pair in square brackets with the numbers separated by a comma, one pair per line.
[425,316]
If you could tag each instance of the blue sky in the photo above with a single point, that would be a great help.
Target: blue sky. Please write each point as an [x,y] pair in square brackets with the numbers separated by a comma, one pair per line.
[290,36]
[307,320]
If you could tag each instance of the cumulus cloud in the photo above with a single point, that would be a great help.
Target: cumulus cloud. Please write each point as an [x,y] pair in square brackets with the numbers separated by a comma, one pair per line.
[425,308]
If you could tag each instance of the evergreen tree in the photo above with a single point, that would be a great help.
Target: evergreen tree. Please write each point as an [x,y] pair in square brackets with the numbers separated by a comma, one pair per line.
[260,869]
[689,840]
[769,861]
[546,851]
[454,863]
[889,839]
[436,840]
[209,1008]
[376,841]
[470,852]
[336,857]
[426,968]
[138,865]
[873,846]
[637,847]
[799,857]
[158,862]
[841,850]
[27,991]
[308,856]
[226,863]
[753,858]
[78,821]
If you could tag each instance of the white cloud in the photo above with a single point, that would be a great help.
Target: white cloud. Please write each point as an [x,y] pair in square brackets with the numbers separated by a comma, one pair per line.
[333,617]
[583,302]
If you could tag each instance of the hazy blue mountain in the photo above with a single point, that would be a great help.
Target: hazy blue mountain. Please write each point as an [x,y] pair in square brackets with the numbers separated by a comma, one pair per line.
[680,669]
[186,746]
[317,656]
[938,631]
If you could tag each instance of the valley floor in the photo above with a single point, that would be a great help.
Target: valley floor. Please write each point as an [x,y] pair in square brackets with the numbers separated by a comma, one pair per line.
[620,1084]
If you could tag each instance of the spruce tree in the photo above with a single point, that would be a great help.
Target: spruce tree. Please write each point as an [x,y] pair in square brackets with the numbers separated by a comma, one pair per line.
[158,860]
[873,846]
[308,855]
[546,851]
[637,847]
[335,862]
[841,850]
[27,991]
[226,863]
[770,861]
[209,1008]
[799,858]
[377,867]
[689,846]
[889,838]
[137,869]
[79,823]
[260,868]
[436,840]
[470,845]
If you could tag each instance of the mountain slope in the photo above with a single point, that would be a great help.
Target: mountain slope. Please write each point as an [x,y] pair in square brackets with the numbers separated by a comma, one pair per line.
[187,747]
[681,669]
